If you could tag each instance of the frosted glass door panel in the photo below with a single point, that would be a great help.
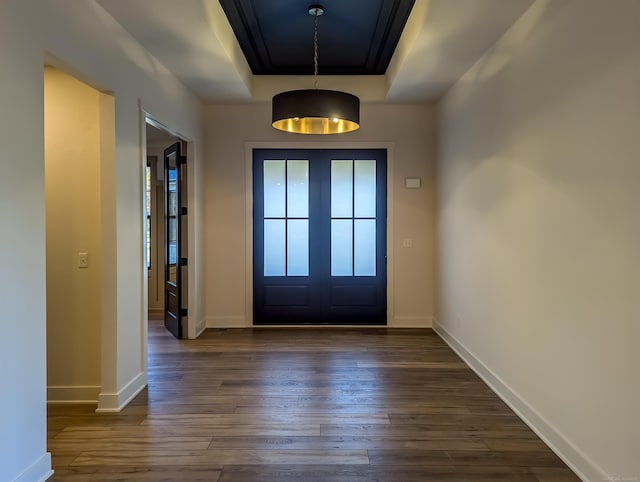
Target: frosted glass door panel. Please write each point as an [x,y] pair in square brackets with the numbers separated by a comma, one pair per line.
[341,189]
[365,189]
[297,189]
[173,241]
[298,247]
[274,189]
[341,247]
[365,247]
[274,247]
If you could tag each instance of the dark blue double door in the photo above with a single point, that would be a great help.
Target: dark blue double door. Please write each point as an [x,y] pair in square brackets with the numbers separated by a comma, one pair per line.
[319,236]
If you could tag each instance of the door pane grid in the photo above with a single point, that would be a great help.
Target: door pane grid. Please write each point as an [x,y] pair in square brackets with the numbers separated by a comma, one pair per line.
[286,217]
[353,218]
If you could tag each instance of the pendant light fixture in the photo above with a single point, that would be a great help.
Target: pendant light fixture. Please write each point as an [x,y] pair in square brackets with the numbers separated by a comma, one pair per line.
[315,111]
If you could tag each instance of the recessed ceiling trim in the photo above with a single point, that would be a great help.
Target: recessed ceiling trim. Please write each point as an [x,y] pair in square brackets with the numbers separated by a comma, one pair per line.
[391,22]
[278,30]
[243,19]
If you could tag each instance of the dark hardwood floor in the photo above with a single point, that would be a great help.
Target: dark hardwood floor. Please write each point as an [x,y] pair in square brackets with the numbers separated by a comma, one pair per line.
[303,405]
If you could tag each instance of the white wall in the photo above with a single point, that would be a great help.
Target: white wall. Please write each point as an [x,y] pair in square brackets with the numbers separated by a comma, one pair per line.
[539,236]
[72,186]
[90,45]
[410,129]
[22,246]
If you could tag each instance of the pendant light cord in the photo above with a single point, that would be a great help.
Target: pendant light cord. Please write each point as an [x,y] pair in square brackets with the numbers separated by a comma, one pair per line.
[315,49]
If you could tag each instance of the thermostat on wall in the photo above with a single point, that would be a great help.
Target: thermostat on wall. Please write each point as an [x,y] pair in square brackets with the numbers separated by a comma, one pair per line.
[412,183]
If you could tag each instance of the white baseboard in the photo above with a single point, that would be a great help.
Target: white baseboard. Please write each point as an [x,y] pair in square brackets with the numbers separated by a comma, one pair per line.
[73,394]
[200,327]
[241,322]
[227,322]
[582,465]
[115,402]
[411,322]
[40,470]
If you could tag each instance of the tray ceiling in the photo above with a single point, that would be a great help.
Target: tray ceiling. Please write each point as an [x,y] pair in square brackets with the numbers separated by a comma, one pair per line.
[440,41]
[355,37]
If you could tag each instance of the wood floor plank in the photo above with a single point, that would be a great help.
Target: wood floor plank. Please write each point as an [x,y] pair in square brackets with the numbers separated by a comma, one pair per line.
[505,458]
[345,443]
[516,444]
[415,365]
[303,405]
[67,446]
[440,473]
[129,473]
[422,431]
[296,473]
[283,418]
[145,458]
[400,457]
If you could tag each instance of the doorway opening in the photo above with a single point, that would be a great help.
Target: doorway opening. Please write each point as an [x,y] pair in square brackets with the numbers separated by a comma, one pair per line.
[74,124]
[165,239]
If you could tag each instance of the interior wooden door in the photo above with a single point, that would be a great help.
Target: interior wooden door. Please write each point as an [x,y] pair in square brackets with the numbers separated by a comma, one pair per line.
[175,210]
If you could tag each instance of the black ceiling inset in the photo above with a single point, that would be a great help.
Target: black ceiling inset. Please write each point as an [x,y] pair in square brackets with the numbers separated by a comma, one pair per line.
[355,37]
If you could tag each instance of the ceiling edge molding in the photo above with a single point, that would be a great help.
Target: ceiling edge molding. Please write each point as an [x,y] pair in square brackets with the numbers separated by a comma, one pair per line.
[224,33]
[414,26]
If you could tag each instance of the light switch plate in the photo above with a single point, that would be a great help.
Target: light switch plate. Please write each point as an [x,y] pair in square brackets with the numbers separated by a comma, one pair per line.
[83,260]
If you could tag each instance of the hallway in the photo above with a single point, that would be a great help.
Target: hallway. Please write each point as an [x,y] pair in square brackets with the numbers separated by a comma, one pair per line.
[285,405]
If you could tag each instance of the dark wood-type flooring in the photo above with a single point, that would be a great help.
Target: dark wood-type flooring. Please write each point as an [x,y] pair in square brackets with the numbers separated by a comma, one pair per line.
[303,405]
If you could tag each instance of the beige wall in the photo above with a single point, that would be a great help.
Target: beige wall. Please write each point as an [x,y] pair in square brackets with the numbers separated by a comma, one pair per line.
[72,185]
[408,129]
[82,39]
[539,233]
[156,272]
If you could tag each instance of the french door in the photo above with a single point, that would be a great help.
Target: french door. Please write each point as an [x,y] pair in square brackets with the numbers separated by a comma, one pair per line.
[175,212]
[319,236]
